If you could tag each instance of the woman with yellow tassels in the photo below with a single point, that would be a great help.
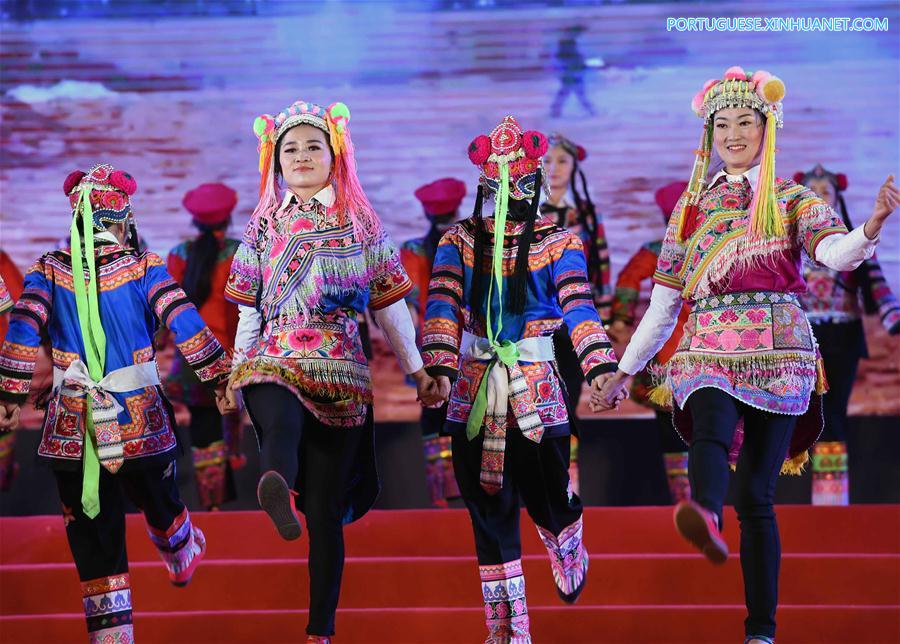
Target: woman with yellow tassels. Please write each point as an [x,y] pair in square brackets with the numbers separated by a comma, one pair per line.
[746,380]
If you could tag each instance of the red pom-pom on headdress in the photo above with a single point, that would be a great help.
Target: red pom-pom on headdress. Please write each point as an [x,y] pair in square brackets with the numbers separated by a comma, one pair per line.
[535,144]
[841,181]
[479,150]
[123,181]
[73,180]
[582,153]
[798,177]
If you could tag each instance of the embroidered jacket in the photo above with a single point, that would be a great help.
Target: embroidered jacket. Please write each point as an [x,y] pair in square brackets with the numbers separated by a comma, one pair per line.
[136,295]
[220,315]
[842,297]
[418,263]
[600,278]
[719,258]
[310,277]
[6,301]
[557,291]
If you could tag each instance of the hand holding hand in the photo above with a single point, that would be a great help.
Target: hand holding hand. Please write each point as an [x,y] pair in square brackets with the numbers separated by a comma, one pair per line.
[9,416]
[427,390]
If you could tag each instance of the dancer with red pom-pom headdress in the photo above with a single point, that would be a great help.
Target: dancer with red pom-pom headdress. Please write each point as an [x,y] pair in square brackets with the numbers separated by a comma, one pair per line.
[501,287]
[108,433]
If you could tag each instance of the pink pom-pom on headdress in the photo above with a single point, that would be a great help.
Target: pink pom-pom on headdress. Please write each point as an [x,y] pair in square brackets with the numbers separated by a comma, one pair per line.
[73,180]
[479,150]
[535,144]
[123,181]
[736,72]
[708,85]
[697,102]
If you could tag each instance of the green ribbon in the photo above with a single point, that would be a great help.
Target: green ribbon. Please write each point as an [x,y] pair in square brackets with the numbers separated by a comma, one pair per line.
[506,351]
[94,339]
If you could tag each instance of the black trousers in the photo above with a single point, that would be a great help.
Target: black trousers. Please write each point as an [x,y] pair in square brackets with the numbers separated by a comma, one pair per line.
[432,421]
[319,460]
[98,544]
[766,439]
[669,440]
[842,344]
[569,367]
[205,426]
[538,472]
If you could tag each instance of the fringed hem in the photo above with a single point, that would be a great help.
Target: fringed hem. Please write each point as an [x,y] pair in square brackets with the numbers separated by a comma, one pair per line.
[794,466]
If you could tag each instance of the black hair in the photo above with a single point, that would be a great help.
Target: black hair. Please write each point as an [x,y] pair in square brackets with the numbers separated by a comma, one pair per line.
[201,259]
[587,217]
[518,210]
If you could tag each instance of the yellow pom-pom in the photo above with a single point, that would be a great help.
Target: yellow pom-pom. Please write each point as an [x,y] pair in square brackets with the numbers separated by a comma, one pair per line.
[773,90]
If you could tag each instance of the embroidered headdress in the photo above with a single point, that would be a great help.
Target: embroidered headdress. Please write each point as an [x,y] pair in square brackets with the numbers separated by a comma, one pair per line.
[334,122]
[510,163]
[838,180]
[759,91]
[98,197]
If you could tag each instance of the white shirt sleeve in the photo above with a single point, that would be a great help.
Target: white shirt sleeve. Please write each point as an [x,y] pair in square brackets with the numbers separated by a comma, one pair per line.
[398,328]
[249,323]
[654,329]
[846,252]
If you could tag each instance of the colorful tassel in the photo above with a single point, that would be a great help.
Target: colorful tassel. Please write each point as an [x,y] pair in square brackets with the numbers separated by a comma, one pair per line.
[765,218]
[661,396]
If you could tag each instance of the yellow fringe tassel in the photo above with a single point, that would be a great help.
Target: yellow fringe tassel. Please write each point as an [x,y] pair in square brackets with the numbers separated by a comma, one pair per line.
[821,380]
[791,466]
[766,220]
[795,466]
[661,395]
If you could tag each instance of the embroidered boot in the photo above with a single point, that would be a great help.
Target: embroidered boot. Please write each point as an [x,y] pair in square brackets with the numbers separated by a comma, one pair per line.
[181,548]
[830,479]
[210,471]
[107,609]
[505,609]
[677,475]
[568,559]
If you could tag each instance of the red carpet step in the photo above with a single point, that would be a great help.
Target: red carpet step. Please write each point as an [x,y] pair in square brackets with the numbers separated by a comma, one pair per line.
[411,577]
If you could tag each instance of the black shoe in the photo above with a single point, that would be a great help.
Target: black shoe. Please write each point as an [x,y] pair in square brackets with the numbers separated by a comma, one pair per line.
[276,499]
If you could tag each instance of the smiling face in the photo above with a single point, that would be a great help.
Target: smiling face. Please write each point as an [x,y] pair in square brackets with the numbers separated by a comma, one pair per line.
[737,135]
[558,168]
[825,189]
[304,160]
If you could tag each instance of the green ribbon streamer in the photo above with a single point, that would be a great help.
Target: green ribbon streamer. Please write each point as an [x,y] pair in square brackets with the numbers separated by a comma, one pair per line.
[507,352]
[94,339]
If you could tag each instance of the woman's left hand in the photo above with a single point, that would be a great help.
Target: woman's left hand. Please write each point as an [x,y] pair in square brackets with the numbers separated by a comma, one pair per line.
[885,203]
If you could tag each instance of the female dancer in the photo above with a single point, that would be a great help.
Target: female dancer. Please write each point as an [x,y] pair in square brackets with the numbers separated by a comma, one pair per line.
[201,265]
[833,306]
[313,257]
[733,250]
